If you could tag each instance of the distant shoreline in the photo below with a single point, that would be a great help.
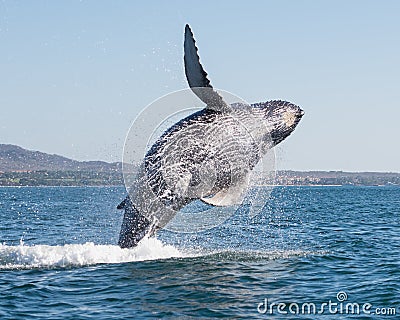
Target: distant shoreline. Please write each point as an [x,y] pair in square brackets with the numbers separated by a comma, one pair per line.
[273,186]
[21,167]
[44,178]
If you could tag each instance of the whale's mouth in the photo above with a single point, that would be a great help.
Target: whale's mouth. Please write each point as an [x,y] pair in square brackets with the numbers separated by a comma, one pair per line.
[299,115]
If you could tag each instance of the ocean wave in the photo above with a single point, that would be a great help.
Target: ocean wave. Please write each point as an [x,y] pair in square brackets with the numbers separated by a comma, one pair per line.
[256,255]
[46,256]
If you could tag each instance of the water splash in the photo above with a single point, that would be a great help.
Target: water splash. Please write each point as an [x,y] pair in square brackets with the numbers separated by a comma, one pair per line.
[45,256]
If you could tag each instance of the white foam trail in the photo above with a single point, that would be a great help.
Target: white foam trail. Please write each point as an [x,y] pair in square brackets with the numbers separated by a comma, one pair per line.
[36,256]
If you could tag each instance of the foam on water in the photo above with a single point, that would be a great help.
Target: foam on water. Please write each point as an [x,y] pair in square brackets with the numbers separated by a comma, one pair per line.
[39,256]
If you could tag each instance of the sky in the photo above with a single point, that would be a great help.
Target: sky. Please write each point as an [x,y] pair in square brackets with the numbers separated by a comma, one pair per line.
[75,74]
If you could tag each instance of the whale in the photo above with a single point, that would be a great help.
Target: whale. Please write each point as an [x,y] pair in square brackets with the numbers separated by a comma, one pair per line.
[206,156]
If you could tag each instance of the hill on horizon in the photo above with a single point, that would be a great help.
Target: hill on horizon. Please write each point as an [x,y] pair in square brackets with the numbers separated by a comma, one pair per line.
[22,167]
[14,158]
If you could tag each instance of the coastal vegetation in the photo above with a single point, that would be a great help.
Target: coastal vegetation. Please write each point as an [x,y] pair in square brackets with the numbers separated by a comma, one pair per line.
[21,167]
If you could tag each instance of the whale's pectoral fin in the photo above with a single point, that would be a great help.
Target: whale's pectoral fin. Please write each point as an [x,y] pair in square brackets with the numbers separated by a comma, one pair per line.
[233,195]
[197,77]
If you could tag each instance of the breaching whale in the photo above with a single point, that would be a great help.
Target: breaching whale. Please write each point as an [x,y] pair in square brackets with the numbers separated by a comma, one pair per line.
[207,155]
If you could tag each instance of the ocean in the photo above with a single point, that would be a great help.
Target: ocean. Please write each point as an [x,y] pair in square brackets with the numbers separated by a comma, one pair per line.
[312,252]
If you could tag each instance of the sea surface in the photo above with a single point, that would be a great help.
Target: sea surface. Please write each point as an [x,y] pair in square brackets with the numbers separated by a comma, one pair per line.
[312,252]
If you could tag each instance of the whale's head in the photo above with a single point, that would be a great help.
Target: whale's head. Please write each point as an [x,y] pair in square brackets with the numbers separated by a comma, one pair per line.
[280,119]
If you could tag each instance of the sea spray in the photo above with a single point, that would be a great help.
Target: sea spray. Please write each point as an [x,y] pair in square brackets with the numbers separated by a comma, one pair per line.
[39,256]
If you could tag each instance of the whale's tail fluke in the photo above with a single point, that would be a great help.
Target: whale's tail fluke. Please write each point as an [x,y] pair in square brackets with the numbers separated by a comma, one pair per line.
[134,225]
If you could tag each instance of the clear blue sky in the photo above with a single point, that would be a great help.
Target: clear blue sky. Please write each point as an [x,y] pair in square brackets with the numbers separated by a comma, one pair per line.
[74,74]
